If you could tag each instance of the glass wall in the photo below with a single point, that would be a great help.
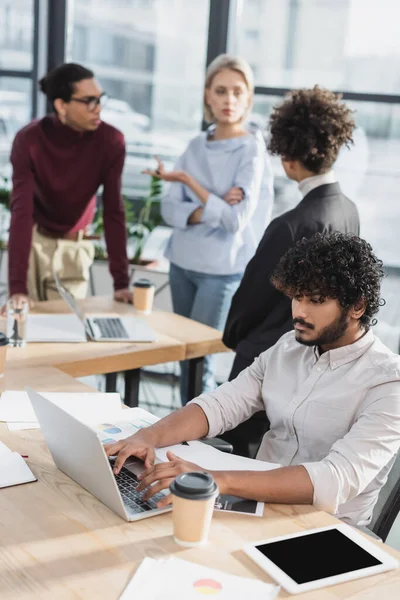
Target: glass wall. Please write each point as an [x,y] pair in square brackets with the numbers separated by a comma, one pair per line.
[348,45]
[16,34]
[15,110]
[150,58]
[16,64]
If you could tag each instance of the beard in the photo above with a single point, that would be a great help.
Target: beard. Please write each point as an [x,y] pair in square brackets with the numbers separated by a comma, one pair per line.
[329,334]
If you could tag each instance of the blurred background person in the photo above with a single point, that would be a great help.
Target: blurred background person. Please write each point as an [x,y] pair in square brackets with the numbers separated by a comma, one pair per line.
[307,130]
[59,162]
[215,204]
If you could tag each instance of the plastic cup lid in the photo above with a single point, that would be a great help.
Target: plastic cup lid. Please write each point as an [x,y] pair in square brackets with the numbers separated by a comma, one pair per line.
[143,283]
[194,486]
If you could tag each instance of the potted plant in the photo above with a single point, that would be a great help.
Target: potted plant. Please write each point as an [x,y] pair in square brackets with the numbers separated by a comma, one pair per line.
[140,222]
[148,217]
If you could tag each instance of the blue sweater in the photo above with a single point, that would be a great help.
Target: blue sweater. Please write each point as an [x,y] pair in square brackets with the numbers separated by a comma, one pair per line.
[226,239]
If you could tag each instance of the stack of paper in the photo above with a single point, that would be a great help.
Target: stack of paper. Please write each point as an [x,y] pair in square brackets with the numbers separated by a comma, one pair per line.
[55,328]
[175,579]
[13,468]
[16,408]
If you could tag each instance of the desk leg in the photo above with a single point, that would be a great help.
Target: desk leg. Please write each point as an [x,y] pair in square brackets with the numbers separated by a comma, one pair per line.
[132,379]
[111,382]
[195,382]
[91,281]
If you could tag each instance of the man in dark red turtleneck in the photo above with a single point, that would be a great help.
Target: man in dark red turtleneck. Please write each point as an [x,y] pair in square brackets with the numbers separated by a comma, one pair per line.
[59,163]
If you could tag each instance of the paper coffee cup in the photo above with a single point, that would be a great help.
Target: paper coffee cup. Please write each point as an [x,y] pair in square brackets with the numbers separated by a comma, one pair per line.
[193,498]
[143,295]
[3,352]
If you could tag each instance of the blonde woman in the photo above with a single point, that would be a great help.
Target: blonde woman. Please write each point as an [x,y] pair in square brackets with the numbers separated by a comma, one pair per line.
[219,203]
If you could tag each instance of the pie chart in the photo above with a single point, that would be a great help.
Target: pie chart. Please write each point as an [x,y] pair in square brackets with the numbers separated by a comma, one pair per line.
[109,428]
[207,587]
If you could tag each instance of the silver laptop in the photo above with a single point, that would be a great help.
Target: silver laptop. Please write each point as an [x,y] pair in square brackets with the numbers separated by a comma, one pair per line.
[78,452]
[108,329]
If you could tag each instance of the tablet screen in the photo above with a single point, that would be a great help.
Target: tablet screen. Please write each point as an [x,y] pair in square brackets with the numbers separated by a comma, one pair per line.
[318,555]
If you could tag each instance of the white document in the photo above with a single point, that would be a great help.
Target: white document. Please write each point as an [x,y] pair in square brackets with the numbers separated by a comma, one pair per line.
[214,460]
[13,468]
[119,425]
[15,406]
[55,328]
[129,421]
[175,579]
[19,426]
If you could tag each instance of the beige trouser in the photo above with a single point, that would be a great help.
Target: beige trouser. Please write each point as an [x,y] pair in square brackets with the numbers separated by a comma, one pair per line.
[70,259]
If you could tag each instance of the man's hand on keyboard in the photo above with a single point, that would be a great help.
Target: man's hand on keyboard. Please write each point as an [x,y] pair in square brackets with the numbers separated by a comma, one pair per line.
[134,445]
[162,475]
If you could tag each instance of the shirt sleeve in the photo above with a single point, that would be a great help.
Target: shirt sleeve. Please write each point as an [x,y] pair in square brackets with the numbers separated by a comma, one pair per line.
[176,207]
[355,460]
[21,207]
[235,401]
[249,176]
[256,296]
[114,217]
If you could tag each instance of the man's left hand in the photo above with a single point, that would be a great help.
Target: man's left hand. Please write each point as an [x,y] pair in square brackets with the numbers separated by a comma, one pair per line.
[162,475]
[124,296]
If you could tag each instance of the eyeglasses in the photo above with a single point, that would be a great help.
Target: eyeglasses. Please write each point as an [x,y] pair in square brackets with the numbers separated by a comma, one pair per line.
[92,102]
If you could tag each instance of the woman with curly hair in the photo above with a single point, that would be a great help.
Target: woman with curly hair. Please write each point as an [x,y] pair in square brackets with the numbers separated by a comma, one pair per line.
[307,131]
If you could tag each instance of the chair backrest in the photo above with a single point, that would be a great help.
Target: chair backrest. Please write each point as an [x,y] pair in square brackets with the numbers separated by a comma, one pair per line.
[388,505]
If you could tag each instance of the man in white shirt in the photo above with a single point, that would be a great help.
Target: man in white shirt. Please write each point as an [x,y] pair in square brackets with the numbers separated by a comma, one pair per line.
[330,389]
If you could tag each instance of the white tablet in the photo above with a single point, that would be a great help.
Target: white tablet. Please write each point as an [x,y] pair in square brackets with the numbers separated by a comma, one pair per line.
[313,559]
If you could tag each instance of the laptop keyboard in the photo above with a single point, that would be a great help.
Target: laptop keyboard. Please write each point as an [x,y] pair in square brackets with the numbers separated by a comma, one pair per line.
[111,328]
[127,483]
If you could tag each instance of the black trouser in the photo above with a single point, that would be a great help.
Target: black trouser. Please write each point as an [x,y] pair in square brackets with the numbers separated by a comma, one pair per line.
[246,437]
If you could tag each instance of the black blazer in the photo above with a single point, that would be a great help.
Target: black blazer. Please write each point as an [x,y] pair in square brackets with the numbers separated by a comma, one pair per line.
[259,314]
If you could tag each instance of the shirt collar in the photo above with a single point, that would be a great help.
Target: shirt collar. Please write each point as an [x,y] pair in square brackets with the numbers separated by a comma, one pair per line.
[310,183]
[346,354]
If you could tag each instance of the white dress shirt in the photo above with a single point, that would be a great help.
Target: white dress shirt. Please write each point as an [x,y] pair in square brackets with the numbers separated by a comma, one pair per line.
[310,183]
[337,414]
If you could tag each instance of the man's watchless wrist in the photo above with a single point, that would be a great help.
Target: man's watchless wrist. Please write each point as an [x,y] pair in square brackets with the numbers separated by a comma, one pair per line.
[221,478]
[147,435]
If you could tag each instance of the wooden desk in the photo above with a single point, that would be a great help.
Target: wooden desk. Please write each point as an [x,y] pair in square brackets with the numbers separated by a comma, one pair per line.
[178,338]
[58,542]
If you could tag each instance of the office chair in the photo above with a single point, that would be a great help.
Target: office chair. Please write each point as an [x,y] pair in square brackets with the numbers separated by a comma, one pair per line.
[219,444]
[388,505]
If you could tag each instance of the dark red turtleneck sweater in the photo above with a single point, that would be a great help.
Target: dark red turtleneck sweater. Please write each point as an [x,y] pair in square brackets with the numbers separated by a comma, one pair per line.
[56,174]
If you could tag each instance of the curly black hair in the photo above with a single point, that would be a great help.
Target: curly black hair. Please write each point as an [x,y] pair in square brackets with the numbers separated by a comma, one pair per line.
[311,126]
[335,265]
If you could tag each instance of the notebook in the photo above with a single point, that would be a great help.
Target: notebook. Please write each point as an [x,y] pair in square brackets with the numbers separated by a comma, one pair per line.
[13,468]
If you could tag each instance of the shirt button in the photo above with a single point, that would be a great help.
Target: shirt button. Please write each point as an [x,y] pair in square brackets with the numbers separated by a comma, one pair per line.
[319,369]
[292,433]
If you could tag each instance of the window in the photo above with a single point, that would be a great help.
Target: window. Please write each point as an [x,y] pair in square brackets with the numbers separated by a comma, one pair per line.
[351,45]
[150,56]
[16,34]
[368,173]
[252,34]
[15,111]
